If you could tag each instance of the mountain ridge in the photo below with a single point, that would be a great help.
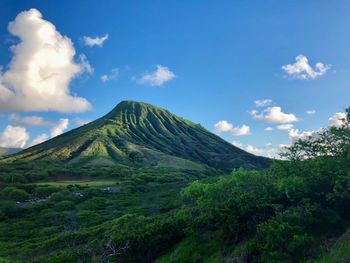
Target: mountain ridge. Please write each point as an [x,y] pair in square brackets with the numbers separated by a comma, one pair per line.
[141,135]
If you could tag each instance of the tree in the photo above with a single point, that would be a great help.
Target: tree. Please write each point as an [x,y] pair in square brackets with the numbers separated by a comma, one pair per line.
[334,141]
[13,193]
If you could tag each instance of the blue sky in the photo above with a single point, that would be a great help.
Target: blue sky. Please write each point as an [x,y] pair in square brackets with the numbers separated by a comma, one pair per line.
[215,59]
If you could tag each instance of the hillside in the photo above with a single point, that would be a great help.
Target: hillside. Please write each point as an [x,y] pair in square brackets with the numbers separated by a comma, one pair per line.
[8,151]
[294,211]
[141,135]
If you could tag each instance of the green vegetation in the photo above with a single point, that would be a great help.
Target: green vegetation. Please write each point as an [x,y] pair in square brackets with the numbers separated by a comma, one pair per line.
[90,183]
[140,135]
[340,254]
[296,210]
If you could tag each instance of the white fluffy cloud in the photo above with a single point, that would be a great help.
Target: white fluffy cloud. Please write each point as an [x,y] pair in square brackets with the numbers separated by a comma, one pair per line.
[41,69]
[112,75]
[301,69]
[273,114]
[18,137]
[262,103]
[269,129]
[14,137]
[311,112]
[267,150]
[239,131]
[254,150]
[337,120]
[29,120]
[59,128]
[158,77]
[295,134]
[285,126]
[97,41]
[225,126]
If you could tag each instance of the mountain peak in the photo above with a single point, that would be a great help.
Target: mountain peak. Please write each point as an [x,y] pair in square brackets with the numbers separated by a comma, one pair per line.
[132,106]
[133,111]
[131,103]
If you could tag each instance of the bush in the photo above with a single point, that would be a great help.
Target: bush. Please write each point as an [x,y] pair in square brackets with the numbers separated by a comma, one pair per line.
[284,237]
[237,202]
[13,193]
[289,234]
[11,209]
[64,206]
[45,191]
[95,203]
[62,196]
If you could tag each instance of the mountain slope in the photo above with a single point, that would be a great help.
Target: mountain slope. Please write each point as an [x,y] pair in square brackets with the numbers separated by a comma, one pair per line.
[141,135]
[8,151]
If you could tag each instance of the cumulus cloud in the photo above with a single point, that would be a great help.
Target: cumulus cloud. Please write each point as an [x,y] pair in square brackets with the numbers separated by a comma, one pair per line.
[225,126]
[254,150]
[59,128]
[18,137]
[262,103]
[269,129]
[112,75]
[285,126]
[301,69]
[97,41]
[338,120]
[14,137]
[268,150]
[41,68]
[273,114]
[156,78]
[295,135]
[311,112]
[239,131]
[29,120]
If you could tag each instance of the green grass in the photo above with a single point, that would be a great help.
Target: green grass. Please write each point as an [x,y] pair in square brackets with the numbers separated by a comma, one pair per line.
[89,183]
[339,255]
[204,247]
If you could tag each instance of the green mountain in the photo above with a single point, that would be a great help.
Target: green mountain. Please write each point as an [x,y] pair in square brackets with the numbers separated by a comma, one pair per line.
[8,151]
[141,135]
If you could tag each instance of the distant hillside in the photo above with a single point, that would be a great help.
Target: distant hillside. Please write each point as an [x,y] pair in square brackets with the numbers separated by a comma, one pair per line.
[141,135]
[8,151]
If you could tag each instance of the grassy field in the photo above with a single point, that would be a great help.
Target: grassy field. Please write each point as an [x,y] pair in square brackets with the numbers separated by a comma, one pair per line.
[90,183]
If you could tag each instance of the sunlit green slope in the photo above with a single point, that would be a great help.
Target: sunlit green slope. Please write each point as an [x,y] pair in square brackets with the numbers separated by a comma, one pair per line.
[141,135]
